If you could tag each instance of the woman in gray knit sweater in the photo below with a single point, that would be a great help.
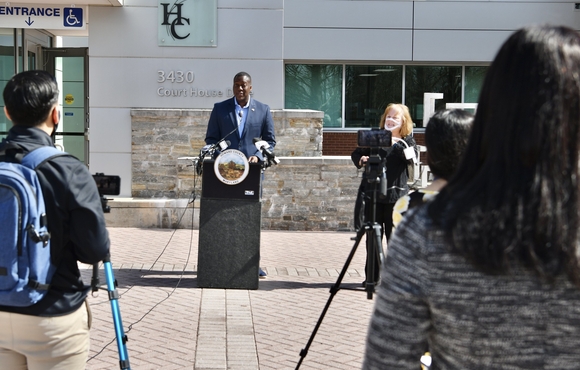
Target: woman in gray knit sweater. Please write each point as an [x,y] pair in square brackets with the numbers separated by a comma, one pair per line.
[487,275]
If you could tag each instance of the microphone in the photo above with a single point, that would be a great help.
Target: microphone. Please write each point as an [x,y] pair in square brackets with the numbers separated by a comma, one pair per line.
[263,146]
[222,144]
[383,183]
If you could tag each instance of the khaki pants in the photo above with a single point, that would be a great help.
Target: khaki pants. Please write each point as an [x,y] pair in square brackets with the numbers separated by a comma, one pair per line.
[45,343]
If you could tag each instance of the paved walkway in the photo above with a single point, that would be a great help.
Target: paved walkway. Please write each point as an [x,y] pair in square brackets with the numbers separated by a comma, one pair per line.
[173,324]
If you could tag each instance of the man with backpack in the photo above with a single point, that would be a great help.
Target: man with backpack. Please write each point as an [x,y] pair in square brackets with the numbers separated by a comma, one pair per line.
[53,332]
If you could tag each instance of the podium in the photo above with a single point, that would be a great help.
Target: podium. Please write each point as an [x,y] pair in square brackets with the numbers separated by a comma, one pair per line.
[229,229]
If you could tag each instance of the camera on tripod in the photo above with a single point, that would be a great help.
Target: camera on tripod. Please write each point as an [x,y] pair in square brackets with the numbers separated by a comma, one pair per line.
[375,139]
[107,185]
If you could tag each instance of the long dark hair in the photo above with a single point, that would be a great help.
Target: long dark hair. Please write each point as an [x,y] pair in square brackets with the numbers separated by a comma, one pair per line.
[514,198]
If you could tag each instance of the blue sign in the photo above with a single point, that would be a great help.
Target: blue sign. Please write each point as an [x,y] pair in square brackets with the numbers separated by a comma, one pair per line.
[73,17]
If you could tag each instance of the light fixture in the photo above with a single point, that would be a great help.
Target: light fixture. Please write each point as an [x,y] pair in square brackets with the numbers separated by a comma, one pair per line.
[368,75]
[385,70]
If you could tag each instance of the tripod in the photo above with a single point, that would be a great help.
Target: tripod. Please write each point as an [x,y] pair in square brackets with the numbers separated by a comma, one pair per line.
[373,232]
[113,298]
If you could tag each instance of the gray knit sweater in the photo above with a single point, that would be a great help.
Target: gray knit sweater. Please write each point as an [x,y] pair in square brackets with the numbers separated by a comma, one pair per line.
[432,300]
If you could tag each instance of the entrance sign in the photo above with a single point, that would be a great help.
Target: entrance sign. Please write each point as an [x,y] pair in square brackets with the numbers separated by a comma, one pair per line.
[187,23]
[54,17]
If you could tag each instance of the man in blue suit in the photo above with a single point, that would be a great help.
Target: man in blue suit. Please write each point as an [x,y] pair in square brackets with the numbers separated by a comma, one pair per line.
[251,118]
[240,120]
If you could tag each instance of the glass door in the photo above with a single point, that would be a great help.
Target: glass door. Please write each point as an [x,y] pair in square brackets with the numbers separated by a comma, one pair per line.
[70,67]
[10,50]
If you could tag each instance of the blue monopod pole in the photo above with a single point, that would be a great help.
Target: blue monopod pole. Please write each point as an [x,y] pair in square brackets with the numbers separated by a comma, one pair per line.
[114,300]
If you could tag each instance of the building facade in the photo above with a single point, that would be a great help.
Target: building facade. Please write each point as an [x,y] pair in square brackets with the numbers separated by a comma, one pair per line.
[346,58]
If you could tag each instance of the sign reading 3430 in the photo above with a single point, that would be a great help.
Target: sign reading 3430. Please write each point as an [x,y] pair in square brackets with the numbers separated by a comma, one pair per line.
[175,76]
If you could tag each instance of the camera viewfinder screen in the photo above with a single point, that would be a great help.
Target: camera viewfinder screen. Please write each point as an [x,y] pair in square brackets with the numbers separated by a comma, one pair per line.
[107,184]
[374,138]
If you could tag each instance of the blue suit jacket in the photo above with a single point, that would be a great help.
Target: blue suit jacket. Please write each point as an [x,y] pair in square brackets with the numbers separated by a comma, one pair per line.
[259,124]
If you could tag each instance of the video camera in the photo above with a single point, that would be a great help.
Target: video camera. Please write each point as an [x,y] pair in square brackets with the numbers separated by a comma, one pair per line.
[376,166]
[374,138]
[107,185]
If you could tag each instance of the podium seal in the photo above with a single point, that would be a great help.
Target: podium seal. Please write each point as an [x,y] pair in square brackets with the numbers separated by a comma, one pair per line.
[231,167]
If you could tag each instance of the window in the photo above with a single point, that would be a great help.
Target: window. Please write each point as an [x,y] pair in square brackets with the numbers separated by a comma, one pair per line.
[435,79]
[473,82]
[318,87]
[368,89]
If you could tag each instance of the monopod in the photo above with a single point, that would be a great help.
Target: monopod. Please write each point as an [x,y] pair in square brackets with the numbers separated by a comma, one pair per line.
[114,299]
[111,185]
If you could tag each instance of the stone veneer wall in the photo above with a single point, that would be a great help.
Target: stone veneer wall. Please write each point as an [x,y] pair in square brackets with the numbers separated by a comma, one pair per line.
[310,194]
[161,136]
[304,192]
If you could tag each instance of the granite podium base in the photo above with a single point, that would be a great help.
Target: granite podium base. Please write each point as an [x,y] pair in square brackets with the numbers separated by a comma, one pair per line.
[229,244]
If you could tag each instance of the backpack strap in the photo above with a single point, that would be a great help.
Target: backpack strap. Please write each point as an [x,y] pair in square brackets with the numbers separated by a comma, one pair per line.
[6,146]
[40,155]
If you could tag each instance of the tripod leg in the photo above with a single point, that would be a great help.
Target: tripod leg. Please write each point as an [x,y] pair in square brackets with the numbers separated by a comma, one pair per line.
[119,332]
[375,257]
[333,290]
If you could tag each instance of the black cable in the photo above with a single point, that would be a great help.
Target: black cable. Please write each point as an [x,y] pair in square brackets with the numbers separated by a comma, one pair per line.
[193,197]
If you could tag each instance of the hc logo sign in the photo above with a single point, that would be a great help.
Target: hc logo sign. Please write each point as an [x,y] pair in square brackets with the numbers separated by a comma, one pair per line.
[72,17]
[187,22]
[172,18]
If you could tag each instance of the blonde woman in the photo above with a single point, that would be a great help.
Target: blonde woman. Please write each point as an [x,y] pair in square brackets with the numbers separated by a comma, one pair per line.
[396,119]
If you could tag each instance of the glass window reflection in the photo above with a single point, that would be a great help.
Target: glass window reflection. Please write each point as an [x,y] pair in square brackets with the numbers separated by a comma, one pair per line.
[435,79]
[369,88]
[368,91]
[318,87]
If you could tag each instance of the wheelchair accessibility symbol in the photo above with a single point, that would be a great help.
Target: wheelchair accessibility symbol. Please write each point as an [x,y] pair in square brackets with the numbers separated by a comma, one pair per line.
[73,17]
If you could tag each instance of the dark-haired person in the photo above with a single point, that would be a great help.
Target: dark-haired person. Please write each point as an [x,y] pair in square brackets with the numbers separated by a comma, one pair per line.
[53,333]
[396,119]
[251,118]
[487,275]
[446,137]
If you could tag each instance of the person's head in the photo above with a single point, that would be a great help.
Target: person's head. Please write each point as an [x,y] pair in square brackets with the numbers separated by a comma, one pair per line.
[30,98]
[446,137]
[515,195]
[242,87]
[397,119]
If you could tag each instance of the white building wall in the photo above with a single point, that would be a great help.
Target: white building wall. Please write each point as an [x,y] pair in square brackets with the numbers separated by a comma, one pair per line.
[258,36]
[124,60]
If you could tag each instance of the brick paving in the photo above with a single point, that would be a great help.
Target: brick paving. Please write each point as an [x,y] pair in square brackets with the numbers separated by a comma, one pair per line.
[173,324]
